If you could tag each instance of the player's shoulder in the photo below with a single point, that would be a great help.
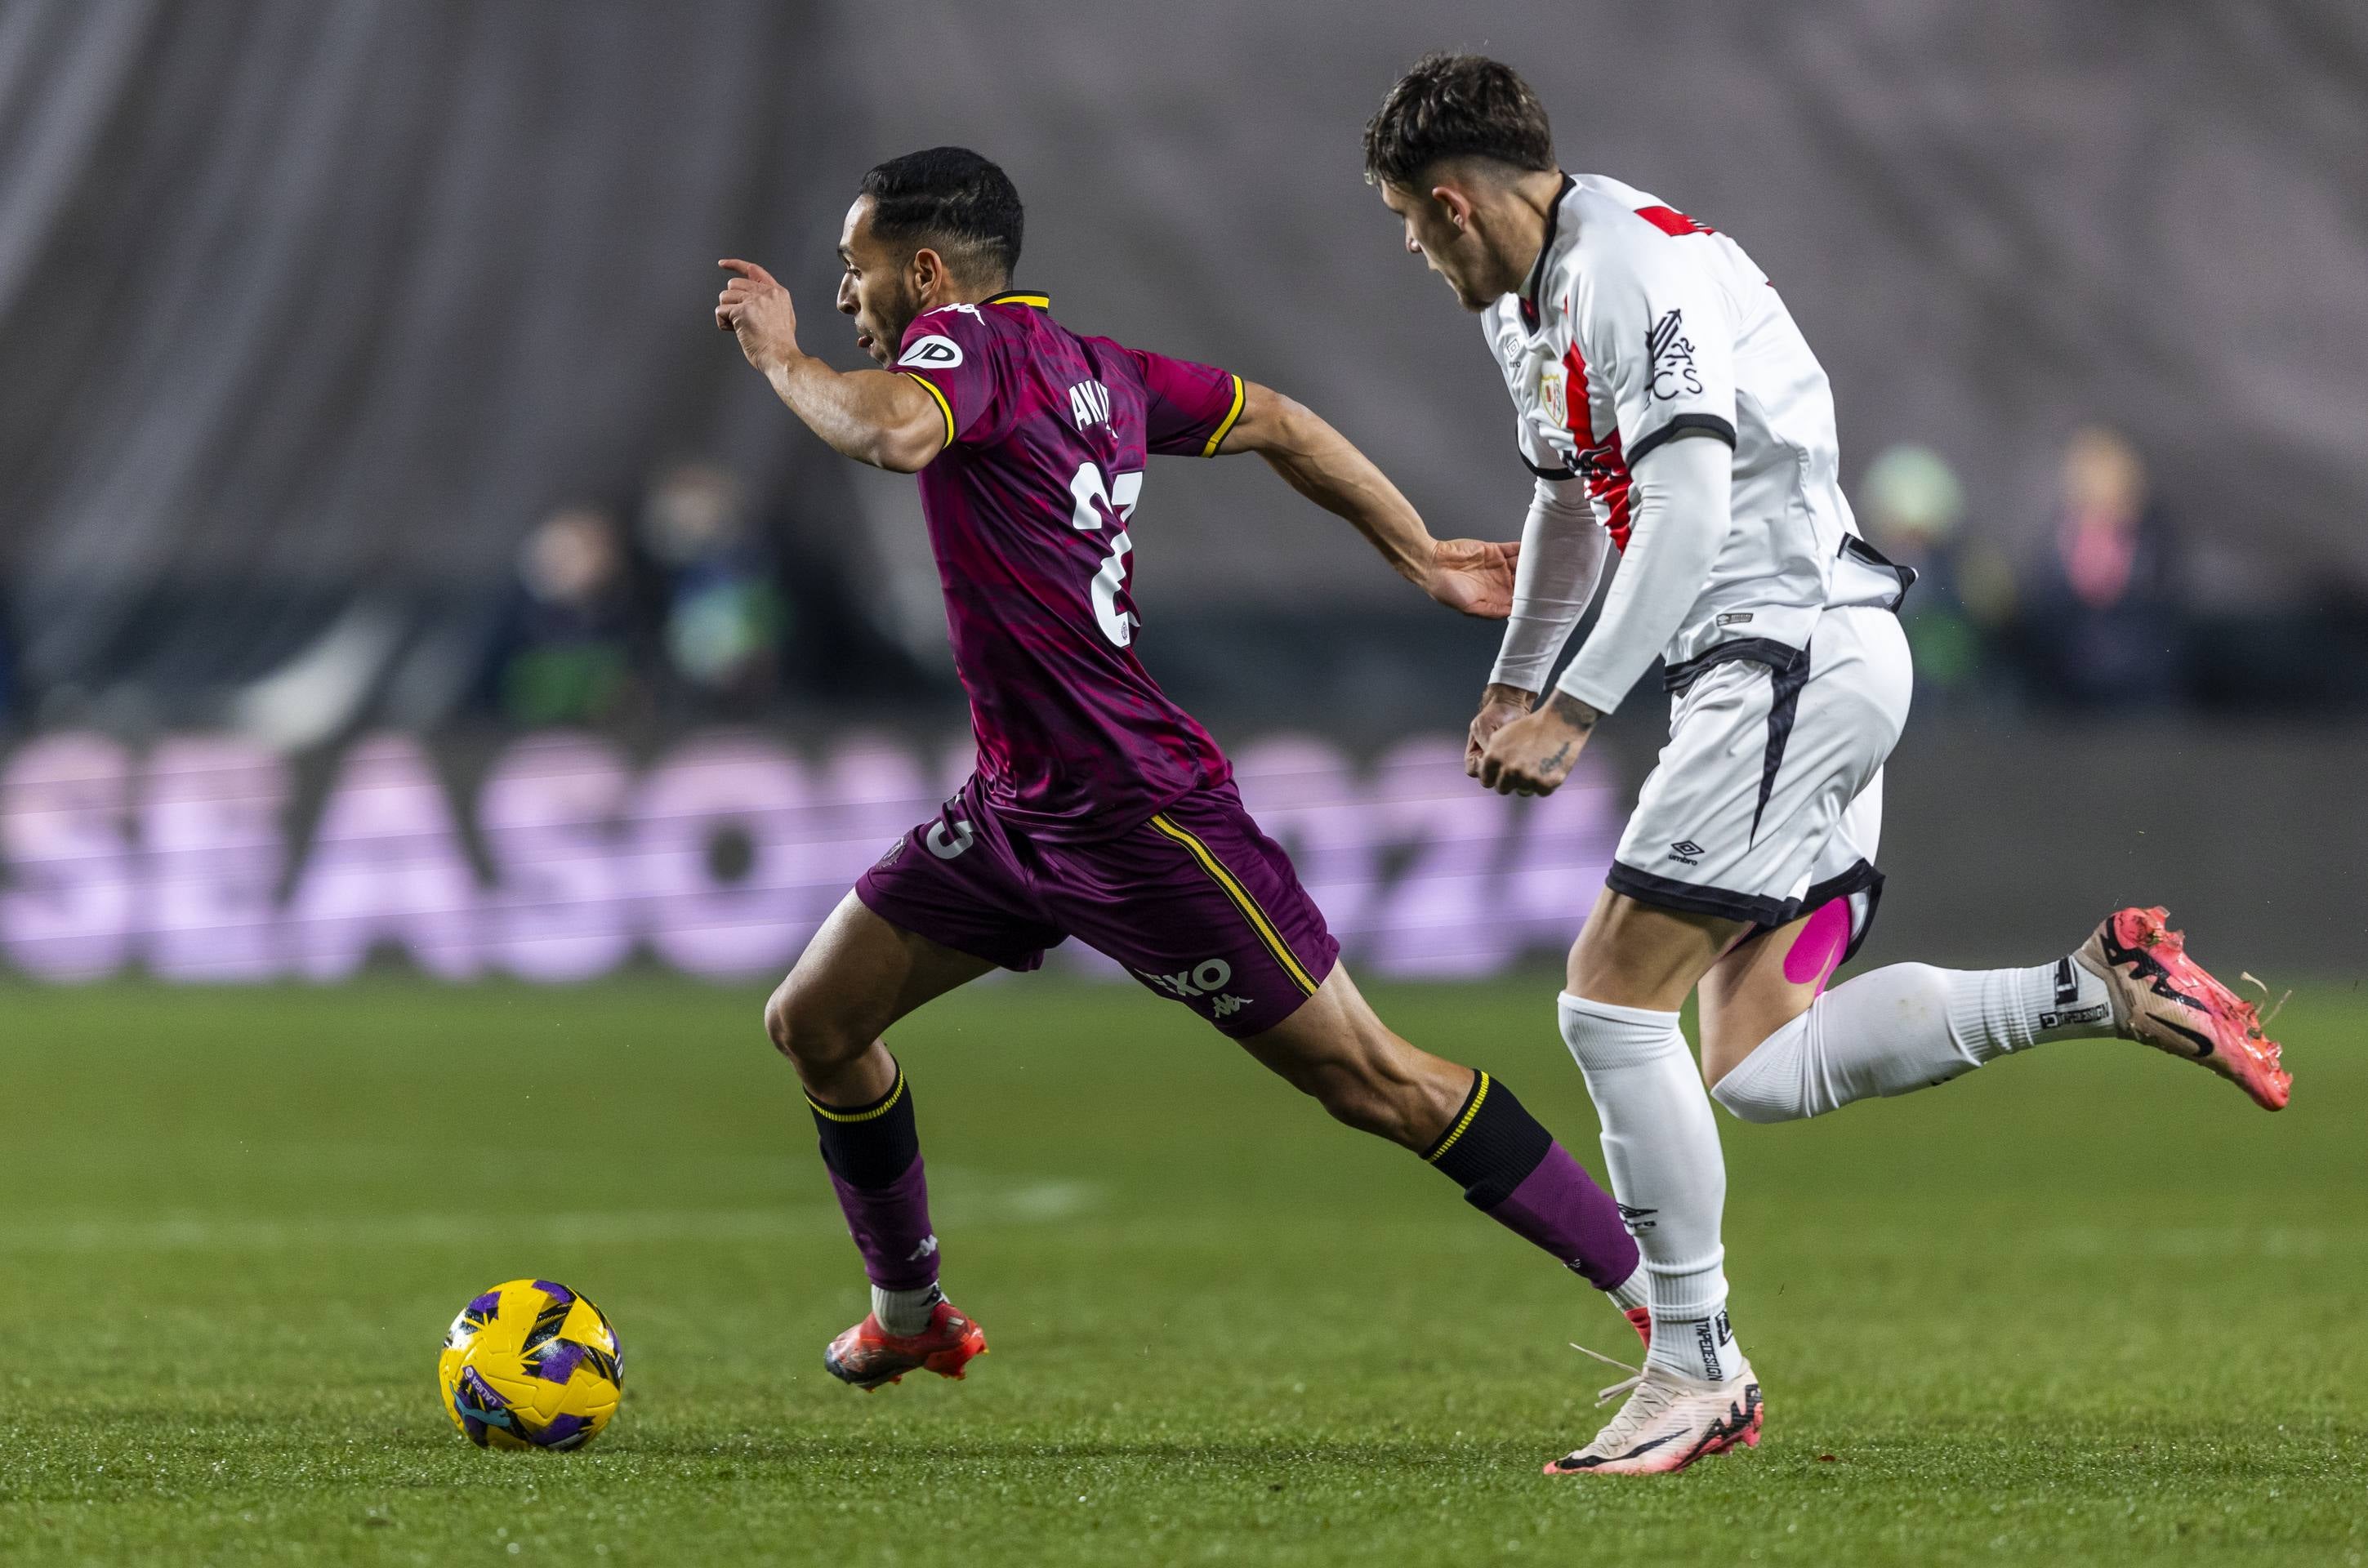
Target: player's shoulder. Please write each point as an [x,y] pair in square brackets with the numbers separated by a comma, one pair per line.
[1614,226]
[946,337]
[1620,242]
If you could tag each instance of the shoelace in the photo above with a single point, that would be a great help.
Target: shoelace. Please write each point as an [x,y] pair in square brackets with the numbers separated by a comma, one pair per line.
[1636,1378]
[2275,1007]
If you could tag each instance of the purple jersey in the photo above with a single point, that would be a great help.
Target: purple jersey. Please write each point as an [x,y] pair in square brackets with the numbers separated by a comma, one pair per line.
[1028,507]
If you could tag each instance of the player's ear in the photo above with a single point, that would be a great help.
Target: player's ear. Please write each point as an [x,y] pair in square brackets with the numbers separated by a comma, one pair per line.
[927,273]
[1456,204]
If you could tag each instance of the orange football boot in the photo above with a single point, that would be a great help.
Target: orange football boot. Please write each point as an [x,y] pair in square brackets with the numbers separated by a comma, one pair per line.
[868,1355]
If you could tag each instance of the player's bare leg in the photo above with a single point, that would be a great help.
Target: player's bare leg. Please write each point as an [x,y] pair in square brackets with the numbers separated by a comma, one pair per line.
[858,977]
[1629,974]
[1468,1123]
[1778,1046]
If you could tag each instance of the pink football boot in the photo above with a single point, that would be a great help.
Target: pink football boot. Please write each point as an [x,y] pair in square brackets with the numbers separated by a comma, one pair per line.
[2165,998]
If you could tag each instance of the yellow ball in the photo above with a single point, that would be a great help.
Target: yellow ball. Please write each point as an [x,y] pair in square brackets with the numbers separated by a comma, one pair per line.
[531,1365]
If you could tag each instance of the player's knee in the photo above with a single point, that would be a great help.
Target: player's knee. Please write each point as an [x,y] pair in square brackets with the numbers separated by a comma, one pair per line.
[1756,1090]
[806,1032]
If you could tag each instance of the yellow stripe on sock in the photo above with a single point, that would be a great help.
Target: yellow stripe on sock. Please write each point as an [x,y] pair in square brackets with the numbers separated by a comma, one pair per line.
[1225,425]
[1478,1096]
[883,1108]
[1243,902]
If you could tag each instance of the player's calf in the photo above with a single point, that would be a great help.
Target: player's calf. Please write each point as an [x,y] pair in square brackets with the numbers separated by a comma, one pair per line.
[1466,1123]
[1910,1026]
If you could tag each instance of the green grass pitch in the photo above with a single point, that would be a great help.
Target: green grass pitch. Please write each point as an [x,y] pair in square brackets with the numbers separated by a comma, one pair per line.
[2088,1306]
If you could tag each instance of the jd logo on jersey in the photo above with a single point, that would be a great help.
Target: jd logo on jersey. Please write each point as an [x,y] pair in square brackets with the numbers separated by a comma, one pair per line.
[1673,358]
[935,352]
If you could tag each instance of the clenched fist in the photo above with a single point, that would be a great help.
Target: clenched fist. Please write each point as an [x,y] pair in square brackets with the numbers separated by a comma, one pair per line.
[757,309]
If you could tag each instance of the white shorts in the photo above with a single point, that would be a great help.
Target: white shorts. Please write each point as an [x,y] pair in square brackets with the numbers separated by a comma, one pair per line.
[1768,800]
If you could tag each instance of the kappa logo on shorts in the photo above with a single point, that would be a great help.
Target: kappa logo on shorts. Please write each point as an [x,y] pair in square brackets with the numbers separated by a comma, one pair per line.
[1226,1006]
[1685,851]
[935,352]
[1200,980]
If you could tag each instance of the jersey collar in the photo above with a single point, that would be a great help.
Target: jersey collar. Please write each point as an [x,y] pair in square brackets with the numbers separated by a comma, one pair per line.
[1536,279]
[1021,297]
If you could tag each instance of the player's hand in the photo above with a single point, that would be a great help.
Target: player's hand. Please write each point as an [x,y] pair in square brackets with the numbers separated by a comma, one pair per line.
[1500,706]
[1534,754]
[757,309]
[1474,575]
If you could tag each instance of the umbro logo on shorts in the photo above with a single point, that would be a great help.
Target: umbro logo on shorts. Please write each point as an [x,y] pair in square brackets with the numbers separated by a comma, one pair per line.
[1685,850]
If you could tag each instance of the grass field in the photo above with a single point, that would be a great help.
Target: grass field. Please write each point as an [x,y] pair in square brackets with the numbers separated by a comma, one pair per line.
[2088,1306]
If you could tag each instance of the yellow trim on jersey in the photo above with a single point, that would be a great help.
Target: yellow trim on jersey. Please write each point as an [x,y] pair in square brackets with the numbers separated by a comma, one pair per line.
[1225,425]
[883,1108]
[1470,1112]
[1242,899]
[943,406]
[1033,302]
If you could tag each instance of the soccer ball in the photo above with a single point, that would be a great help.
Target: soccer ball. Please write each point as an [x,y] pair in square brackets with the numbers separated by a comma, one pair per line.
[531,1365]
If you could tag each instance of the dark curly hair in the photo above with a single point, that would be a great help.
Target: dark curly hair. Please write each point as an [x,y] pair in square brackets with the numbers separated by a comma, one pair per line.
[955,202]
[1456,106]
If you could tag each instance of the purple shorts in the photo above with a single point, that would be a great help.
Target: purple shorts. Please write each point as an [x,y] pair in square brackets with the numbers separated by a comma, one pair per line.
[1197,903]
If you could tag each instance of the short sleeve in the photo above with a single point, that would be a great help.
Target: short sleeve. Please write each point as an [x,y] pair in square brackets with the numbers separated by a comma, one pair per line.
[1657,329]
[1188,408]
[957,354]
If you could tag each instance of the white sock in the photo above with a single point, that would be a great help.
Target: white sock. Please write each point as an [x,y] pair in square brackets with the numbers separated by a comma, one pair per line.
[1661,1144]
[1892,1031]
[1636,1291]
[904,1312]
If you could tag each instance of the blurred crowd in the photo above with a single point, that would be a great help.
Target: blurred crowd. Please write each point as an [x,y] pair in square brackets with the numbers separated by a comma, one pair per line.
[2099,611]
[685,608]
[691,604]
[688,608]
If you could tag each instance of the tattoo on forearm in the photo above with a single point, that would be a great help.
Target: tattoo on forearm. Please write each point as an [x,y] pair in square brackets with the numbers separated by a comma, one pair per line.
[1574,712]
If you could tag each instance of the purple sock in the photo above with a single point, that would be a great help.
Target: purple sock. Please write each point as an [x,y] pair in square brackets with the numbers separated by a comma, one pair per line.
[873,1155]
[1514,1171]
[891,1227]
[1558,1206]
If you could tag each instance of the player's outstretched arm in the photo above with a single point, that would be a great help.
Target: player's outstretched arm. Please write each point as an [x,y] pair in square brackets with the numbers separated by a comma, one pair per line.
[872,417]
[1469,574]
[1680,508]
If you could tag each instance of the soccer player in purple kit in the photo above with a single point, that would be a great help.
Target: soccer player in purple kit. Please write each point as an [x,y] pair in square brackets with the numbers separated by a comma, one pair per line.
[1099,809]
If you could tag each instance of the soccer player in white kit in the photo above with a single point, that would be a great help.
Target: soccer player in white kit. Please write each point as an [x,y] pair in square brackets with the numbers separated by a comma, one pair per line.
[1674,416]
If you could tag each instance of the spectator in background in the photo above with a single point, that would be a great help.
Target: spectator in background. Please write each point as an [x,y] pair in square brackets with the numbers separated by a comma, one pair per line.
[2101,627]
[568,653]
[723,622]
[11,697]
[1964,597]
